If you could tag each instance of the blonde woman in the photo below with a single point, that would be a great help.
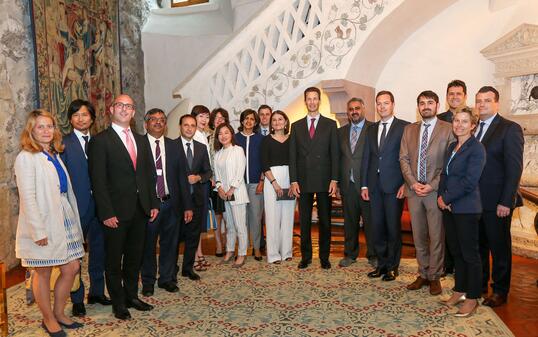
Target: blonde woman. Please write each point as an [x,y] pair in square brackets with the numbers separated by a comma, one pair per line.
[48,232]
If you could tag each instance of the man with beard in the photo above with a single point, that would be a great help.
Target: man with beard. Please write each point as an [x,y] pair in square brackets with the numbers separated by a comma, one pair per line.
[314,171]
[351,140]
[422,154]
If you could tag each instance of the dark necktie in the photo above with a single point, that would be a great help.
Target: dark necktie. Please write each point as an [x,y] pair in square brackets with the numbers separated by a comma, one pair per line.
[422,158]
[86,144]
[312,129]
[189,162]
[383,136]
[479,134]
[264,132]
[159,166]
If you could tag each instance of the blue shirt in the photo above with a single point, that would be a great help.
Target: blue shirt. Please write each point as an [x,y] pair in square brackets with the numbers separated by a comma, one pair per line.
[251,145]
[62,176]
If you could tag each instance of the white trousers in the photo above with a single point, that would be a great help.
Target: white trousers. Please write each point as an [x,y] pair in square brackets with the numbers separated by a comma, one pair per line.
[236,225]
[278,217]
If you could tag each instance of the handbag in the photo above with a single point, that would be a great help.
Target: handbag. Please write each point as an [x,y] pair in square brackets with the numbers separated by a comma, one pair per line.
[285,195]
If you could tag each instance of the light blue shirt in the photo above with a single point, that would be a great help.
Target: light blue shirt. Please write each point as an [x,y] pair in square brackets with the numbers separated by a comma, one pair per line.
[359,127]
[485,128]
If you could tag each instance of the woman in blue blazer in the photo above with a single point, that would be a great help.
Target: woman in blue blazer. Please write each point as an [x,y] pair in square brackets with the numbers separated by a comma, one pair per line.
[459,198]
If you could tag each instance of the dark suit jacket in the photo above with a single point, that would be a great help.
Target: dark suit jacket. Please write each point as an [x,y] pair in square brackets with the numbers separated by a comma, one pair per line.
[386,160]
[446,116]
[176,177]
[349,159]
[77,166]
[504,165]
[314,162]
[459,188]
[200,166]
[117,186]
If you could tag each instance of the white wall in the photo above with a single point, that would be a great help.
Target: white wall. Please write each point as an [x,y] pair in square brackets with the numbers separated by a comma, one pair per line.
[448,47]
[168,59]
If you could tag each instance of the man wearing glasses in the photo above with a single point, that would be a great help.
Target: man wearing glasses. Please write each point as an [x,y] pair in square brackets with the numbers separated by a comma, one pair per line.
[123,183]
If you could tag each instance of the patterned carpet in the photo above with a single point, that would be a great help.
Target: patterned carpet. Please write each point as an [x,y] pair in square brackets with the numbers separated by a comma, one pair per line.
[279,300]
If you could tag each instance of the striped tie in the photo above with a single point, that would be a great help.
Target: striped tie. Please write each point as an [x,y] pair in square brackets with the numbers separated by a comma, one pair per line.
[422,158]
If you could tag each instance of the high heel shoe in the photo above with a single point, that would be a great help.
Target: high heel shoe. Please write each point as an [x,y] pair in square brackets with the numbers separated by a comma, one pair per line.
[59,333]
[74,325]
[458,301]
[467,314]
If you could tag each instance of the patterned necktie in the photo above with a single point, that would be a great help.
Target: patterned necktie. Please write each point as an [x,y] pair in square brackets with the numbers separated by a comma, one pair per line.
[354,137]
[312,129]
[189,162]
[159,166]
[85,144]
[422,157]
[264,132]
[383,136]
[130,147]
[479,134]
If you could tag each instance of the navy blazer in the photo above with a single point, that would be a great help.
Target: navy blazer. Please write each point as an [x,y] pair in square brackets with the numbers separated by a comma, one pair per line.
[504,165]
[200,166]
[176,177]
[459,188]
[386,160]
[314,162]
[77,166]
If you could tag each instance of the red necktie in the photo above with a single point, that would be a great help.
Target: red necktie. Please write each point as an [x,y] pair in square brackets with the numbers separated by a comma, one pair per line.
[130,147]
[312,129]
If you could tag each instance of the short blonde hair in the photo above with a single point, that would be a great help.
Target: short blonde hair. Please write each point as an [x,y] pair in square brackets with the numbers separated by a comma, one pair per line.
[472,114]
[28,143]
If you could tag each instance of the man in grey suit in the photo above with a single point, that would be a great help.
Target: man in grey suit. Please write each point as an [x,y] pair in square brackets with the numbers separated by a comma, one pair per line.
[351,141]
[422,154]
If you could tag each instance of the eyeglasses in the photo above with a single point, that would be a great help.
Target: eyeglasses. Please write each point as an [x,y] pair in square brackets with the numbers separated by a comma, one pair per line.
[121,106]
[157,119]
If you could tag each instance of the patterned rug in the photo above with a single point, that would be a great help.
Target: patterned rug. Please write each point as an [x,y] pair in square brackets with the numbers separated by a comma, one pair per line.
[279,300]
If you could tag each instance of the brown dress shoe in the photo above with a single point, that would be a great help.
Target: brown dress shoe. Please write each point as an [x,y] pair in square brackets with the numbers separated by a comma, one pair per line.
[495,300]
[435,287]
[418,283]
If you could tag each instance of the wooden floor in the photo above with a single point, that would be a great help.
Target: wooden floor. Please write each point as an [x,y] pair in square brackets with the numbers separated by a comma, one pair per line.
[519,314]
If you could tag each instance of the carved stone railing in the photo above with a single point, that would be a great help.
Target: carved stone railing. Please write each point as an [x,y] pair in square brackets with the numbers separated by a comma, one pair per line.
[291,44]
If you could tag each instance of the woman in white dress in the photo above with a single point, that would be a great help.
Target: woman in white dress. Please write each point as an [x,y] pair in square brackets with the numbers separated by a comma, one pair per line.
[229,164]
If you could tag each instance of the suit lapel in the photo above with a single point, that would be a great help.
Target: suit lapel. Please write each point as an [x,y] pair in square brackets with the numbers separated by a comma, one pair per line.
[118,143]
[391,131]
[491,129]
[375,131]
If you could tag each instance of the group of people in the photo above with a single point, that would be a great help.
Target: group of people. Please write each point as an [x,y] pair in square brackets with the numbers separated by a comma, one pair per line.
[121,192]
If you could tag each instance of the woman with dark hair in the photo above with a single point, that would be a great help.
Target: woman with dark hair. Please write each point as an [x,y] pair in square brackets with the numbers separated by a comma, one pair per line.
[459,198]
[230,165]
[48,231]
[217,117]
[250,140]
[278,213]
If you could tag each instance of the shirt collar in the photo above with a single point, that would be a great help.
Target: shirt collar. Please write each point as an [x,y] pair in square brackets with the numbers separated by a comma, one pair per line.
[489,120]
[316,117]
[431,122]
[359,124]
[80,134]
[119,129]
[153,139]
[389,121]
[185,141]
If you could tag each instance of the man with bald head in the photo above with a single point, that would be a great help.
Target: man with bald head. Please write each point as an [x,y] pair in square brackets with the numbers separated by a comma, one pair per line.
[123,184]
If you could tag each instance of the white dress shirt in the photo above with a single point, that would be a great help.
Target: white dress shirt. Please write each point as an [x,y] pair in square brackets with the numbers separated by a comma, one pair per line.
[81,140]
[309,120]
[485,128]
[184,141]
[200,137]
[432,123]
[380,129]
[121,134]
[162,172]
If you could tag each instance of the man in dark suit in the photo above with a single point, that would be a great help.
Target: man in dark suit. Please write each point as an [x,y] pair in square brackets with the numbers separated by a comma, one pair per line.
[123,182]
[193,156]
[314,171]
[173,193]
[499,183]
[382,184]
[81,115]
[351,138]
[456,96]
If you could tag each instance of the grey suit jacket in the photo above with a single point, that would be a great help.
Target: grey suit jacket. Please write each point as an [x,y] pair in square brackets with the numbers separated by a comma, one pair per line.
[351,159]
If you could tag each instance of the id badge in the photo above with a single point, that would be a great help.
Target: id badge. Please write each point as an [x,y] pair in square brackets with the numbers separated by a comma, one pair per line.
[159,172]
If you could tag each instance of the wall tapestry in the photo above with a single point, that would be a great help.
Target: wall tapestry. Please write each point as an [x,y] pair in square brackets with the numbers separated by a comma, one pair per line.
[77,55]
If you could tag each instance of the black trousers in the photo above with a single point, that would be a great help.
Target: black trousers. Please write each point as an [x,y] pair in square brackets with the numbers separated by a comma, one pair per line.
[166,229]
[462,233]
[190,233]
[124,248]
[495,237]
[386,215]
[324,222]
[354,208]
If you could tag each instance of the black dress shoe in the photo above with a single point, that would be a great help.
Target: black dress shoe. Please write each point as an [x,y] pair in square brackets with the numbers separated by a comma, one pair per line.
[190,274]
[147,290]
[171,287]
[378,272]
[325,264]
[390,276]
[103,300]
[74,325]
[122,313]
[79,310]
[138,305]
[304,264]
[258,258]
[59,333]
